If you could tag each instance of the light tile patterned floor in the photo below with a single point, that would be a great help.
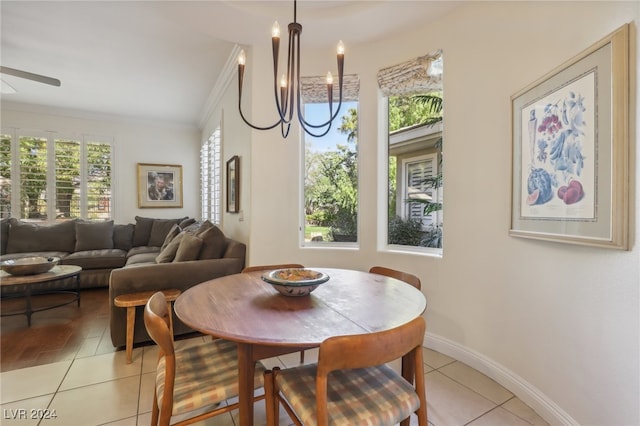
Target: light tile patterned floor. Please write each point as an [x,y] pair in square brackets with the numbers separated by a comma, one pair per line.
[104,390]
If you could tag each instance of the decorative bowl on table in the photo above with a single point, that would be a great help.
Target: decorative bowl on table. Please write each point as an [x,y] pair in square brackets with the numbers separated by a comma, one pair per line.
[295,281]
[29,265]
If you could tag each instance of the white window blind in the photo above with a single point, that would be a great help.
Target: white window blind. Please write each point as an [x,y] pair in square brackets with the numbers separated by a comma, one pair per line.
[33,165]
[67,175]
[211,178]
[417,171]
[44,178]
[419,75]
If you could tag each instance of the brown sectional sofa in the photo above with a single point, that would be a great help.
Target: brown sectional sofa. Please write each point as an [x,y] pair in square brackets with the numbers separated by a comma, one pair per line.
[152,254]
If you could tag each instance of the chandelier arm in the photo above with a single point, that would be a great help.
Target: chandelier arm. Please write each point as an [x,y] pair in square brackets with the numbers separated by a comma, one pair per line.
[240,81]
[293,65]
[307,127]
[275,49]
[282,126]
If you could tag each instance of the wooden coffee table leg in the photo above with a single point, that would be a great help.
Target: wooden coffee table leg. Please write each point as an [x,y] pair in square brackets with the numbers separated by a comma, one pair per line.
[131,321]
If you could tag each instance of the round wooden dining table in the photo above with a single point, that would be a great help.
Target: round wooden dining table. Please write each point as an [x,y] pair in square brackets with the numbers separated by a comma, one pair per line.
[245,309]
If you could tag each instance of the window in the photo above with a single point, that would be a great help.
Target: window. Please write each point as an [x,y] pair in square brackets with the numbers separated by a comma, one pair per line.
[58,178]
[414,94]
[331,179]
[211,178]
[330,211]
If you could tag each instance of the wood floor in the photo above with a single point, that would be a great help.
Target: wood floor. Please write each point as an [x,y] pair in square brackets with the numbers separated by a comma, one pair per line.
[58,334]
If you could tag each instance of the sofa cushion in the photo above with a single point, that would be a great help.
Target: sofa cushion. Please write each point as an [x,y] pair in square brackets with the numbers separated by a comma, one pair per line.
[123,236]
[94,235]
[169,252]
[97,259]
[142,231]
[141,259]
[24,236]
[143,249]
[188,249]
[214,243]
[4,234]
[160,229]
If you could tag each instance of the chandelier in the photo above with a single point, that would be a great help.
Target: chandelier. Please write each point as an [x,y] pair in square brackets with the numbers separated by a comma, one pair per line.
[287,96]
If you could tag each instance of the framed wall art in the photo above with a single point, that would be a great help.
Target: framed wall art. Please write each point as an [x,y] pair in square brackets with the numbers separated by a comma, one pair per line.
[570,150]
[233,184]
[159,185]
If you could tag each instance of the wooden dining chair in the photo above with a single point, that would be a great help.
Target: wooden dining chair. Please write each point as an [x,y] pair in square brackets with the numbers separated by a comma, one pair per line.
[193,378]
[400,275]
[271,267]
[351,382]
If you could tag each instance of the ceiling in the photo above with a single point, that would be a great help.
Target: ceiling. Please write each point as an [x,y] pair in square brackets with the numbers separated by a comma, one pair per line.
[160,59]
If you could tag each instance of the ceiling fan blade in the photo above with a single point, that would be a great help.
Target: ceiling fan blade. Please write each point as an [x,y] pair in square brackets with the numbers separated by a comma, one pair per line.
[30,76]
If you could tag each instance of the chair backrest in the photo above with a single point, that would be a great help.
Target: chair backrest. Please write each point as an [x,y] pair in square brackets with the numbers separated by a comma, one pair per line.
[156,321]
[366,350]
[271,267]
[400,275]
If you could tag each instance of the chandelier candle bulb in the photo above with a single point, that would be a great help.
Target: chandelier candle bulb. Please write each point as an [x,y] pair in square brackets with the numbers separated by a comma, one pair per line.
[275,30]
[329,78]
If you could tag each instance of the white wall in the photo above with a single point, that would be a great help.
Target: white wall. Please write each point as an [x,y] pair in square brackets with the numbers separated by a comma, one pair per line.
[136,141]
[236,140]
[558,324]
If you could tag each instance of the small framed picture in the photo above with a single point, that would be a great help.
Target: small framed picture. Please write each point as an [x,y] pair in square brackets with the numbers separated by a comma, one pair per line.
[159,185]
[233,184]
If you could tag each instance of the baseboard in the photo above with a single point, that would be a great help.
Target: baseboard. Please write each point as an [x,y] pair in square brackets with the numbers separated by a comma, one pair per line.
[527,393]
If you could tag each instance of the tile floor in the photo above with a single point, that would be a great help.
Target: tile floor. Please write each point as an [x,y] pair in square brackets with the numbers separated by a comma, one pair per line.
[104,390]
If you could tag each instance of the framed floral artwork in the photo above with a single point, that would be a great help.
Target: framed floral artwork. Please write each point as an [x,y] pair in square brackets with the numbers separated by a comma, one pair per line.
[159,185]
[570,149]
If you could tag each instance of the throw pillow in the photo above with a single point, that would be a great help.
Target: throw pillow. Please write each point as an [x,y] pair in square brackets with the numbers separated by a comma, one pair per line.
[214,243]
[189,248]
[175,230]
[142,231]
[159,231]
[94,235]
[188,221]
[169,252]
[4,234]
[123,236]
[25,237]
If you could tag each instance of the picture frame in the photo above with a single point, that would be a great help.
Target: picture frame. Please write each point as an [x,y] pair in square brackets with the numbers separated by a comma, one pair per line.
[159,185]
[233,185]
[570,150]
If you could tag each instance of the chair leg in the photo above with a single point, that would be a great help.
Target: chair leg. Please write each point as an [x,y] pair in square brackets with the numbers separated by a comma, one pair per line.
[155,411]
[170,318]
[269,397]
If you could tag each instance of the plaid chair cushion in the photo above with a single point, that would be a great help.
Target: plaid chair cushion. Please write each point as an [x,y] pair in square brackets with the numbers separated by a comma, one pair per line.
[205,374]
[366,396]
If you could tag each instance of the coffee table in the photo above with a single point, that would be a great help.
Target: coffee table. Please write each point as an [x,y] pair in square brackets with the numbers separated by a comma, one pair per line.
[28,281]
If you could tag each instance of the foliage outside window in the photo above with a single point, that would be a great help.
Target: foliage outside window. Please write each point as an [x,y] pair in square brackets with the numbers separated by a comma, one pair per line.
[57,179]
[331,178]
[415,195]
[211,178]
